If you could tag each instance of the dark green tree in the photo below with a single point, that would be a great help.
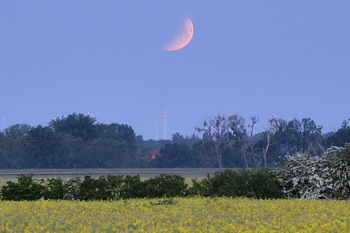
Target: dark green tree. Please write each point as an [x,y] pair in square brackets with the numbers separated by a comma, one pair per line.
[341,136]
[297,136]
[69,152]
[42,145]
[104,153]
[119,132]
[3,157]
[175,155]
[177,137]
[202,150]
[15,145]
[78,125]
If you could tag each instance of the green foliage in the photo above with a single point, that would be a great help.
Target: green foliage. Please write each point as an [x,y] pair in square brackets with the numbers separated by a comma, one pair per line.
[165,186]
[15,146]
[174,156]
[73,189]
[42,144]
[259,183]
[78,125]
[54,189]
[248,183]
[132,187]
[200,187]
[26,188]
[118,132]
[297,136]
[341,136]
[104,153]
[95,189]
[79,141]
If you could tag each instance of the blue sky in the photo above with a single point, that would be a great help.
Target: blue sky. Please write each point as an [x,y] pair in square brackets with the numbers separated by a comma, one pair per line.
[266,58]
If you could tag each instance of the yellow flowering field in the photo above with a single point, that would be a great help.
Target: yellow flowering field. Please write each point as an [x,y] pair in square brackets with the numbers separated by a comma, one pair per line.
[176,215]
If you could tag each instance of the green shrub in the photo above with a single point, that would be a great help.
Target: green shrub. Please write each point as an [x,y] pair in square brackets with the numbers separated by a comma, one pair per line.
[54,189]
[257,183]
[132,187]
[264,184]
[165,186]
[73,189]
[96,189]
[200,187]
[114,186]
[111,188]
[26,188]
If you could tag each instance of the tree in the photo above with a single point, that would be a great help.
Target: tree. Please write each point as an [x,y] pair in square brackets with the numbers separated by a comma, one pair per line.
[104,153]
[69,151]
[312,137]
[217,131]
[177,137]
[298,136]
[119,132]
[17,131]
[42,147]
[239,136]
[78,125]
[175,155]
[3,156]
[269,133]
[341,136]
[250,142]
[15,145]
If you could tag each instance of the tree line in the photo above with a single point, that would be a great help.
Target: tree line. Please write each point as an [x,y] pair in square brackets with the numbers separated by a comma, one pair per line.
[298,176]
[67,142]
[79,141]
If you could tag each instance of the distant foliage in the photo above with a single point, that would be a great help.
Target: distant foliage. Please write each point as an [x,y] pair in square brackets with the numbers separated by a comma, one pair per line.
[223,141]
[341,137]
[174,156]
[68,142]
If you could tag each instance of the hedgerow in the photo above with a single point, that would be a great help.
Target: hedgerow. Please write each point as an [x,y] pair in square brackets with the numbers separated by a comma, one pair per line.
[299,176]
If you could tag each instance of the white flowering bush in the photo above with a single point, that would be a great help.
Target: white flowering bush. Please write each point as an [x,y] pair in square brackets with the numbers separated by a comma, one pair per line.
[324,177]
[338,161]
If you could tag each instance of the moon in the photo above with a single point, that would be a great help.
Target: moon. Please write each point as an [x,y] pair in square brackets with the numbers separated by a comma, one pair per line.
[182,38]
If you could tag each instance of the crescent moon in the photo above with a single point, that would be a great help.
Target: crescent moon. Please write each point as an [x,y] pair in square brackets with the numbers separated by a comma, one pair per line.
[182,38]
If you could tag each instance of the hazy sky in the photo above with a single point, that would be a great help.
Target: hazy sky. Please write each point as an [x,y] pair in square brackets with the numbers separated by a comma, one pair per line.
[250,57]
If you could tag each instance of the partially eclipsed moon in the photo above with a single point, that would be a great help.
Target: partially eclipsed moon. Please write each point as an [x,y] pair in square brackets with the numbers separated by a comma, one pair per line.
[182,38]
